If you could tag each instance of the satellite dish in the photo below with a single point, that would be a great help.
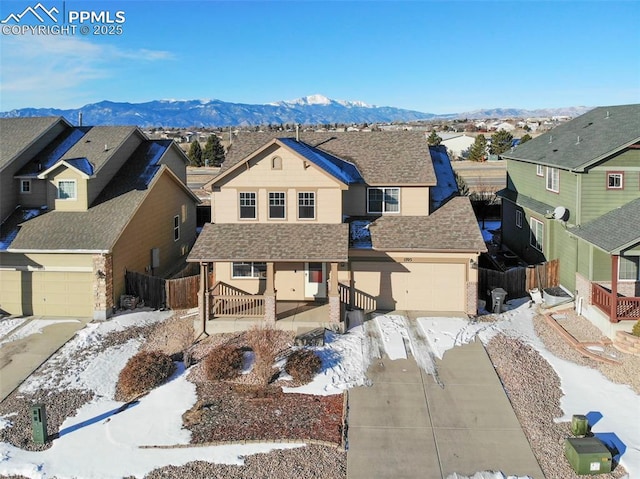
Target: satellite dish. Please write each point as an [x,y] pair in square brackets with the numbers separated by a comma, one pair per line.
[561,213]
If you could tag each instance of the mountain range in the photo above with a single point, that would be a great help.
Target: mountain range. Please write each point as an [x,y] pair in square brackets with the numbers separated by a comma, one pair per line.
[309,110]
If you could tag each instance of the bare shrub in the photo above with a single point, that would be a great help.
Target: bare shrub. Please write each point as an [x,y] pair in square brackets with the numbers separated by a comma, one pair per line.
[173,336]
[224,362]
[143,372]
[264,340]
[302,365]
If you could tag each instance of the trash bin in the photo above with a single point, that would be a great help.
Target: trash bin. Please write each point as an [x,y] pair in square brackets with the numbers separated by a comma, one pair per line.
[497,299]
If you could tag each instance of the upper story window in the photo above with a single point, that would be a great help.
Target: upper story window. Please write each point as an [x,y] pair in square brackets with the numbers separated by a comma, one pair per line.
[536,236]
[615,180]
[306,205]
[25,186]
[176,228]
[553,179]
[67,190]
[248,270]
[629,268]
[383,200]
[277,205]
[248,205]
[276,163]
[539,170]
[519,218]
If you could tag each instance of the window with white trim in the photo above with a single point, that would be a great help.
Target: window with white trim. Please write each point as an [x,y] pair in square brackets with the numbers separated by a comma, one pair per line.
[66,190]
[519,218]
[383,200]
[277,205]
[25,186]
[539,170]
[553,179]
[306,205]
[248,270]
[176,228]
[536,236]
[248,205]
[615,180]
[629,268]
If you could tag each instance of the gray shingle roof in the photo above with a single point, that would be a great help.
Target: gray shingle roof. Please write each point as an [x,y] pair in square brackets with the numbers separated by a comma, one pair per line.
[16,134]
[452,227]
[98,228]
[271,242]
[614,231]
[601,132]
[383,158]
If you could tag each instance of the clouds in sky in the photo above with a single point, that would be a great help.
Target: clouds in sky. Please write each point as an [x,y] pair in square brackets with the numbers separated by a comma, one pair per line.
[64,68]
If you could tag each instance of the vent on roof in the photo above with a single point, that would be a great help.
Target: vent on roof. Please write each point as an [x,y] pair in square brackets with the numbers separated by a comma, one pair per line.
[106,147]
[607,117]
[550,139]
[578,141]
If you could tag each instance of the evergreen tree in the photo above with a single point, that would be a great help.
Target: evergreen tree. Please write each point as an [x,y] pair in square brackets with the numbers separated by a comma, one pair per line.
[213,153]
[500,142]
[434,139]
[478,150]
[195,154]
[463,188]
[525,138]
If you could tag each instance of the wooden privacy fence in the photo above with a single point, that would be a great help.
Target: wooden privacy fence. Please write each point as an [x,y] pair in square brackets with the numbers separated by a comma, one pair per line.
[518,281]
[181,293]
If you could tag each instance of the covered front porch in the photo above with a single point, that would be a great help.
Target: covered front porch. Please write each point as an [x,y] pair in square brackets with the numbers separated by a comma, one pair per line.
[611,301]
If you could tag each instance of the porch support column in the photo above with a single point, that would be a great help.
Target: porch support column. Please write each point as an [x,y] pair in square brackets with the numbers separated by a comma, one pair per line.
[203,298]
[613,314]
[270,295]
[334,295]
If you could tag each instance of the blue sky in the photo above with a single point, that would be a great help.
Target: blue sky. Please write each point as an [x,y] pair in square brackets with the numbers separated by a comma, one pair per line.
[430,56]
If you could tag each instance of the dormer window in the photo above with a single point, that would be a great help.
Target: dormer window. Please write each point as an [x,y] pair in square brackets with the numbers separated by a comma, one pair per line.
[25,187]
[67,190]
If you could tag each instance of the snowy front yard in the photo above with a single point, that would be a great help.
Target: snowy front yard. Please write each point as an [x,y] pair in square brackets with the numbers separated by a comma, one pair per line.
[100,441]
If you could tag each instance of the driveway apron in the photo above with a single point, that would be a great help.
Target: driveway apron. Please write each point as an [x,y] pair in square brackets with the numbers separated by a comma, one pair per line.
[408,425]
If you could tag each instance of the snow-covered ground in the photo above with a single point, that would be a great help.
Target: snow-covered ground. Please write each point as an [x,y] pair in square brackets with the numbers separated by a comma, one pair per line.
[120,435]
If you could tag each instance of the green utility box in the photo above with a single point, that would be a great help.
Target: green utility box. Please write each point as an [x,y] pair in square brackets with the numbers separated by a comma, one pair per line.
[39,423]
[579,425]
[587,455]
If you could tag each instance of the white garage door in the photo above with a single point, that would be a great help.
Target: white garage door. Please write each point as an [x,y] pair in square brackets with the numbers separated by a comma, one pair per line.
[413,286]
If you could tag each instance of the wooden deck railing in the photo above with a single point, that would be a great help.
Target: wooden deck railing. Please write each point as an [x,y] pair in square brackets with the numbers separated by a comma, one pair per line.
[626,307]
[357,299]
[229,301]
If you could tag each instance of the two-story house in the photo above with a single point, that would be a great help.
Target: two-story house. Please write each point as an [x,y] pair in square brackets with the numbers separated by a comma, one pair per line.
[80,206]
[573,194]
[351,220]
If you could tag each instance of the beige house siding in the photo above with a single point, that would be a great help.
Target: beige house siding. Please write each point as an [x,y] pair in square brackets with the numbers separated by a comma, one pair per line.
[175,161]
[152,227]
[123,153]
[414,201]
[64,173]
[9,186]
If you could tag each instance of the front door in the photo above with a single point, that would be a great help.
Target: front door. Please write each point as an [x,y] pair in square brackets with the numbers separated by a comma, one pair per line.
[315,280]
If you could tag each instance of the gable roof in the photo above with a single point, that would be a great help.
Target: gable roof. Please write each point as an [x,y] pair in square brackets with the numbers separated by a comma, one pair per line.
[614,231]
[17,134]
[384,158]
[98,228]
[580,143]
[453,227]
[53,152]
[272,242]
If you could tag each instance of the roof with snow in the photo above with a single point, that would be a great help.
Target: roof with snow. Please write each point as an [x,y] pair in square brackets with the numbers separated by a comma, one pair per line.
[17,134]
[583,141]
[53,152]
[107,216]
[446,186]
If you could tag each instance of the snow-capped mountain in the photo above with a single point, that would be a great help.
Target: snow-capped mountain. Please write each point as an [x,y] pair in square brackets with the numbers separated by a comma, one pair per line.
[309,110]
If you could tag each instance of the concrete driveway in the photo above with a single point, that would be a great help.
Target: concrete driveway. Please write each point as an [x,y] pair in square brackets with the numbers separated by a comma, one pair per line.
[27,346]
[407,426]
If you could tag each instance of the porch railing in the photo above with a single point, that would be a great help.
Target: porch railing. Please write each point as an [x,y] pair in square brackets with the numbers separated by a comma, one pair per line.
[626,307]
[229,301]
[357,299]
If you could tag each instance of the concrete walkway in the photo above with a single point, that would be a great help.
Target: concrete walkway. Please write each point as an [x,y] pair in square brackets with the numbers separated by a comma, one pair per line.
[19,358]
[407,426]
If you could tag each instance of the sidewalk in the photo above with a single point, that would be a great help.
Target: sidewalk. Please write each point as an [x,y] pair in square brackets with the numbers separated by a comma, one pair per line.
[19,358]
[407,426]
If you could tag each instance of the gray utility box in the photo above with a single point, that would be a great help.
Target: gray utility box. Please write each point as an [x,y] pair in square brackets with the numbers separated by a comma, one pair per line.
[497,299]
[587,455]
[39,423]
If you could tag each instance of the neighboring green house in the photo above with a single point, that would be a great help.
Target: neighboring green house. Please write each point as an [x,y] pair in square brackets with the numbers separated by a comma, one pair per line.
[573,194]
